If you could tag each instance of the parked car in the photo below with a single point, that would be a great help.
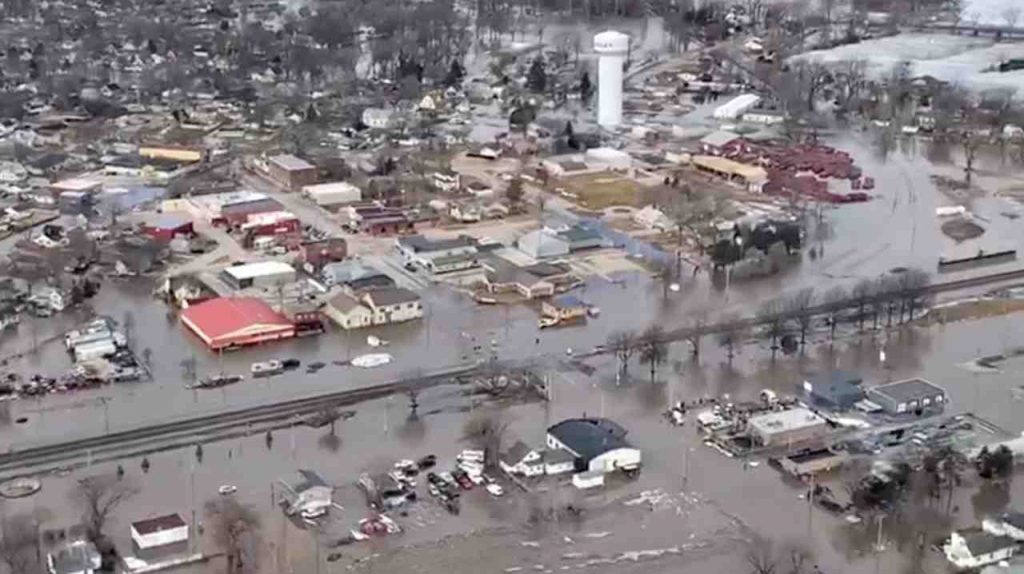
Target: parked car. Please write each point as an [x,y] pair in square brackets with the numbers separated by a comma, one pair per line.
[495,489]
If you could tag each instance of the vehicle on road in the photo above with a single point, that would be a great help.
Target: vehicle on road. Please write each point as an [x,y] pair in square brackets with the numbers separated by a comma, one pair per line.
[495,489]
[267,368]
[227,489]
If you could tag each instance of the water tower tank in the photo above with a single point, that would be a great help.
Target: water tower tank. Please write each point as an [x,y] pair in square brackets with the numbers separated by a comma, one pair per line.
[612,48]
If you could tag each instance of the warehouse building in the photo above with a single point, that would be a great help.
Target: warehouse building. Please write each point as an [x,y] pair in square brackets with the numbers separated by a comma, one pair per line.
[332,194]
[263,274]
[787,427]
[232,322]
[598,444]
[910,396]
[290,171]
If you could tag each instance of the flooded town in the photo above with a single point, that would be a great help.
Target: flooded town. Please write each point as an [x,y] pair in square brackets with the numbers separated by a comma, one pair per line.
[511,286]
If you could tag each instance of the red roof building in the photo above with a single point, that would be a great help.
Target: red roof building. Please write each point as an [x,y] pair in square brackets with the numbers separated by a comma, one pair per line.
[230,322]
[168,226]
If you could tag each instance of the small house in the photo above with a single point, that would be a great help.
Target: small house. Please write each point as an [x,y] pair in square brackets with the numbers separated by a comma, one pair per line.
[564,308]
[522,460]
[716,143]
[393,305]
[348,312]
[974,548]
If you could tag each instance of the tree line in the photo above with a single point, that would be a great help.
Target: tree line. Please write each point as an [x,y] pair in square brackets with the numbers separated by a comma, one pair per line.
[892,299]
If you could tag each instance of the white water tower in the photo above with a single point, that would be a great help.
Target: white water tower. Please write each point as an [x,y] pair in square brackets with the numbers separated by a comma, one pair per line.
[612,48]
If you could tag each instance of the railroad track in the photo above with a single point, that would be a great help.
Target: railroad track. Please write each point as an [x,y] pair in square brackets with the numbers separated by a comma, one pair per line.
[140,441]
[198,430]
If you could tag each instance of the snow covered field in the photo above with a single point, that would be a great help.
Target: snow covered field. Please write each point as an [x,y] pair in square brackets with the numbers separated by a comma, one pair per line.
[955,59]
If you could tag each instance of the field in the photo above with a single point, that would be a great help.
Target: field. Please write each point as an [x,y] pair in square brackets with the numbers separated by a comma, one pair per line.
[602,190]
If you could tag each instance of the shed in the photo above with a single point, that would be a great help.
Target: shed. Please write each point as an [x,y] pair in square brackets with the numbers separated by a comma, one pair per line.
[160,535]
[588,479]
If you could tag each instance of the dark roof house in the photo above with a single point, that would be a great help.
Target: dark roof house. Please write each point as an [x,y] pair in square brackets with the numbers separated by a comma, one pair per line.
[589,438]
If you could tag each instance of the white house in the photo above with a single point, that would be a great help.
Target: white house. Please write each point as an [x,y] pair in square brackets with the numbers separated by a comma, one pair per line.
[559,462]
[522,460]
[438,255]
[974,548]
[79,557]
[393,305]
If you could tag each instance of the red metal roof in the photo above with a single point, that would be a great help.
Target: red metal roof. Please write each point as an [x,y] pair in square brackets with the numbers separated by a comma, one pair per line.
[226,316]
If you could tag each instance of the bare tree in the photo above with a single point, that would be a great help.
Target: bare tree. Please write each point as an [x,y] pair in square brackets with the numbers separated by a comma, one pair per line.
[188,369]
[970,141]
[835,300]
[731,336]
[235,530]
[861,296]
[19,546]
[772,316]
[761,558]
[487,429]
[99,496]
[128,324]
[653,348]
[800,307]
[1011,15]
[624,345]
[695,332]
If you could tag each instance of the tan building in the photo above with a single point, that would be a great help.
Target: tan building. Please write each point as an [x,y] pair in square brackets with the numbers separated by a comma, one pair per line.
[751,176]
[291,172]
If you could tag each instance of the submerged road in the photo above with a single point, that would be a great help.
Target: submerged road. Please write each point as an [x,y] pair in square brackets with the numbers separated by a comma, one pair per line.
[187,432]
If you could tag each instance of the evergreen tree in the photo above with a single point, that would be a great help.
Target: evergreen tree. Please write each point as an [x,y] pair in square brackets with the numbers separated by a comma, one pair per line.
[455,74]
[585,87]
[537,78]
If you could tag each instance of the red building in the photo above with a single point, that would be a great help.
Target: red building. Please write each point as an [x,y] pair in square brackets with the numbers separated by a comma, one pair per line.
[230,322]
[315,254]
[168,226]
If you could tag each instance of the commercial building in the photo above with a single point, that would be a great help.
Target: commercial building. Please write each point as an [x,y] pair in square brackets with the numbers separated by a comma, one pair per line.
[974,548]
[910,396]
[439,255]
[231,208]
[836,390]
[78,557]
[159,537]
[597,444]
[333,194]
[291,172]
[305,491]
[231,322]
[167,226]
[262,274]
[789,427]
[532,282]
